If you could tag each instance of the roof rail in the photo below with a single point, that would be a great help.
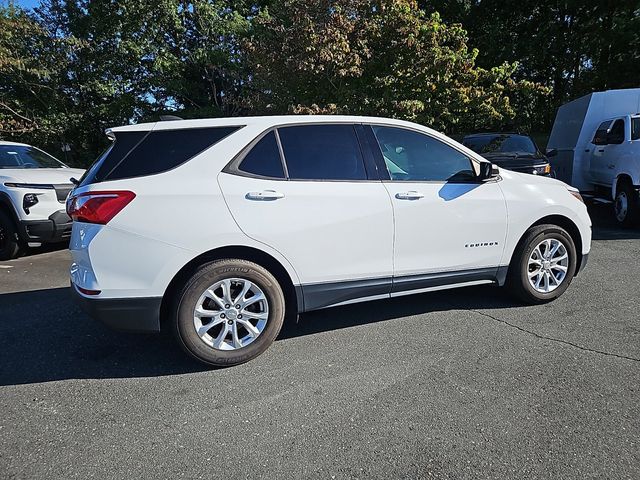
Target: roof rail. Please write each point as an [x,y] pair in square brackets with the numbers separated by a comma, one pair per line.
[169,118]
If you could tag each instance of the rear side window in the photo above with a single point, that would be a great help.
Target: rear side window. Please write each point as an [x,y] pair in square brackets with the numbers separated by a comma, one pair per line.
[166,149]
[635,128]
[123,144]
[322,152]
[264,158]
[137,154]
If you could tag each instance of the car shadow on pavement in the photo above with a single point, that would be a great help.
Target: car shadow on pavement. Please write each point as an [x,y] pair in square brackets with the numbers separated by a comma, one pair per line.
[468,298]
[45,337]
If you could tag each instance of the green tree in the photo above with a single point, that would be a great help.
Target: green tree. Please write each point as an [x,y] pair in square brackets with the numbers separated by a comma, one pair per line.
[572,47]
[376,58]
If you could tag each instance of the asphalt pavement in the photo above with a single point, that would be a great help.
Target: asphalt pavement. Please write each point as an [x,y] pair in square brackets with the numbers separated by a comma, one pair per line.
[454,384]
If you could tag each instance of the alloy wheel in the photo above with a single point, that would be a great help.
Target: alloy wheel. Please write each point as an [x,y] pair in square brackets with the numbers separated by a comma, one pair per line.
[231,314]
[548,265]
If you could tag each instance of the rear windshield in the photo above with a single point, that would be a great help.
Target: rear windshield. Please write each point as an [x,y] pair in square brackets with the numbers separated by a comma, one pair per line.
[487,144]
[138,154]
[23,156]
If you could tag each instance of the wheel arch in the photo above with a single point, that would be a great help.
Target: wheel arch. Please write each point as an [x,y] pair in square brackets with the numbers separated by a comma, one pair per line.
[293,298]
[621,179]
[7,206]
[563,222]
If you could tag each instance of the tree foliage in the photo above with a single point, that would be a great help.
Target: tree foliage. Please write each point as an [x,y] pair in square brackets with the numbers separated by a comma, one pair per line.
[70,68]
[375,58]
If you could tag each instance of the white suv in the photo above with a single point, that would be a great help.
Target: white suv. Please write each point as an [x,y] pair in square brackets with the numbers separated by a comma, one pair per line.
[33,189]
[218,229]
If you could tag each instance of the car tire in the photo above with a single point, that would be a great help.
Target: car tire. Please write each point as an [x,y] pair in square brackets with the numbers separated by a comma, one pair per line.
[10,246]
[626,206]
[532,270]
[228,335]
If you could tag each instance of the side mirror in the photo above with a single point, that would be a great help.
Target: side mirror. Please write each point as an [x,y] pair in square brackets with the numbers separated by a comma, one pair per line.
[487,170]
[552,152]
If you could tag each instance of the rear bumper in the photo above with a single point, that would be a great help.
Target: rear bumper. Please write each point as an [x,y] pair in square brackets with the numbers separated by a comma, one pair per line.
[55,229]
[129,314]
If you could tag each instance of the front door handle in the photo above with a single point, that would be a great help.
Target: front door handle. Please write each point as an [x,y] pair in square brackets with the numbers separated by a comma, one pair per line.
[265,195]
[412,195]
[601,150]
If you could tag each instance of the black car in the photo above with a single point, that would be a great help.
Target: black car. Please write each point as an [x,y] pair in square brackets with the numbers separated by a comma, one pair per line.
[512,151]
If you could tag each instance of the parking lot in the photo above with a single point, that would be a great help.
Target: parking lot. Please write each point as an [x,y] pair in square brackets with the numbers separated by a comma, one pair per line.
[454,384]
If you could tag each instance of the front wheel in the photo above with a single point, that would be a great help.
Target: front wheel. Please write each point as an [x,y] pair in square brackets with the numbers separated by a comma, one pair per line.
[543,265]
[626,206]
[9,243]
[229,312]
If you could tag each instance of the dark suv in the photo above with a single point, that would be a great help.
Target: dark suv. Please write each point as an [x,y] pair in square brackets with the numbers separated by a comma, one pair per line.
[512,151]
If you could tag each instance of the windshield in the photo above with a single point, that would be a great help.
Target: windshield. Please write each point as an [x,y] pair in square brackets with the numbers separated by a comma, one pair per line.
[22,156]
[487,144]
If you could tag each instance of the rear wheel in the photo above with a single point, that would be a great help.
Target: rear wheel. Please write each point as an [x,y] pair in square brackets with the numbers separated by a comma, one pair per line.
[543,265]
[229,312]
[9,243]
[626,205]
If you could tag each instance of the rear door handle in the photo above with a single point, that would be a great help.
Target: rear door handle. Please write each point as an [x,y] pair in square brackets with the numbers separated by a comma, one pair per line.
[265,195]
[412,195]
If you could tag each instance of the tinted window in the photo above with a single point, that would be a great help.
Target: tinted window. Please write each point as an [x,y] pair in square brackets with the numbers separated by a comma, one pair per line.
[322,152]
[600,138]
[488,144]
[122,145]
[616,134]
[635,128]
[414,156]
[264,158]
[19,156]
[166,149]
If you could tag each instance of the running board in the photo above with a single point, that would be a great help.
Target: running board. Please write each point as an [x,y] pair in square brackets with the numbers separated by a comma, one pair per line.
[593,198]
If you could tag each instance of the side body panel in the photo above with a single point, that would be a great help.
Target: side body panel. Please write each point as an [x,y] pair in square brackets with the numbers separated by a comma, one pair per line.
[329,230]
[529,198]
[453,227]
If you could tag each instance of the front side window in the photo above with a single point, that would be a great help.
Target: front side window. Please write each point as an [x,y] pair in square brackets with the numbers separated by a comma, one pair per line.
[616,134]
[600,138]
[414,156]
[322,152]
[264,158]
[635,128]
[21,156]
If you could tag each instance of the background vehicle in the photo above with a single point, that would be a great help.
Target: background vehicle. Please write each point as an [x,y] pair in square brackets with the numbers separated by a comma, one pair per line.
[237,221]
[513,151]
[597,138]
[33,189]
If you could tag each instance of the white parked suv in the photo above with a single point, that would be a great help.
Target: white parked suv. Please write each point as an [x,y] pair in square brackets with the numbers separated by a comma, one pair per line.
[33,189]
[218,229]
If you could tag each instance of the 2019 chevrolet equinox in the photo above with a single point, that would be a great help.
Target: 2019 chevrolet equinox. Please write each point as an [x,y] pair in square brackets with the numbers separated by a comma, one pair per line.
[216,229]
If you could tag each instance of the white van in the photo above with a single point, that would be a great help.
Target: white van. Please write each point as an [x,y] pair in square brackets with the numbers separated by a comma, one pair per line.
[597,139]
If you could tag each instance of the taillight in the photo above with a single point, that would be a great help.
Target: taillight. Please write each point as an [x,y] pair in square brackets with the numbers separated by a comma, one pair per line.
[98,207]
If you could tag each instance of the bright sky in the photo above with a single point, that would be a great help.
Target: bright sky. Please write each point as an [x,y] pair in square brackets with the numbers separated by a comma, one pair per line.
[22,3]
